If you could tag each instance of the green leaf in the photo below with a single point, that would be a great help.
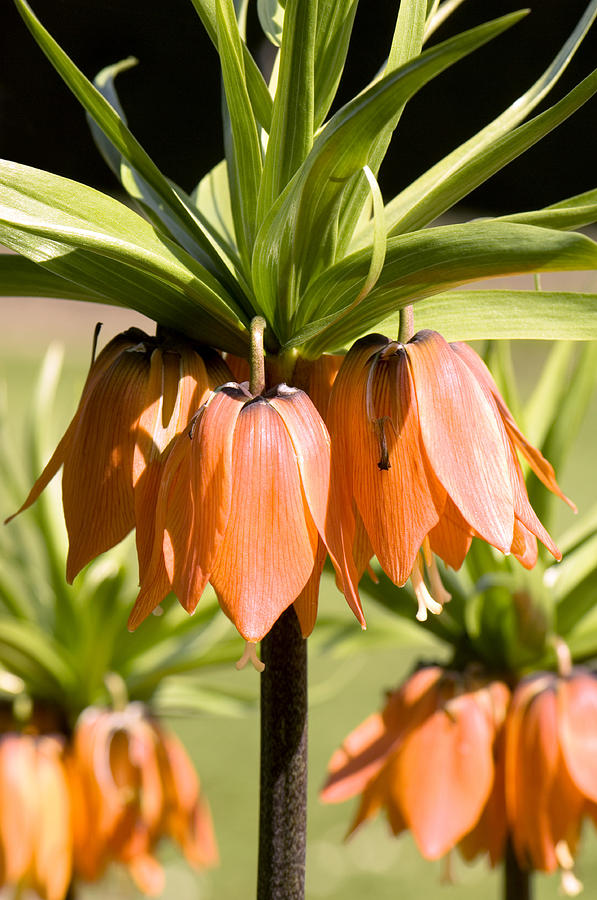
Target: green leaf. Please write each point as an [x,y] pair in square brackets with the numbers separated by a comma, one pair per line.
[288,250]
[149,201]
[258,91]
[46,218]
[430,261]
[19,277]
[407,42]
[488,151]
[291,134]
[568,417]
[334,27]
[575,212]
[212,198]
[271,19]
[439,14]
[116,131]
[540,409]
[38,654]
[245,163]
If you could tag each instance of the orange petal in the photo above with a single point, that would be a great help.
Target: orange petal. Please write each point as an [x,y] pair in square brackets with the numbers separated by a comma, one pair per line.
[358,760]
[316,377]
[445,774]
[147,874]
[451,538]
[53,852]
[463,438]
[306,604]
[399,504]
[270,544]
[18,810]
[97,483]
[540,466]
[524,545]
[577,719]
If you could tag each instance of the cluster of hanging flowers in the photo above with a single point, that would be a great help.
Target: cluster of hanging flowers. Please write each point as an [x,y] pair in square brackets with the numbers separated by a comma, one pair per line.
[242,485]
[69,807]
[461,763]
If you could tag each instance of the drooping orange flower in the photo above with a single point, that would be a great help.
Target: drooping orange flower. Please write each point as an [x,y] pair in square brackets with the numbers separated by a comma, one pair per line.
[132,784]
[423,459]
[139,395]
[242,504]
[35,815]
[429,759]
[551,771]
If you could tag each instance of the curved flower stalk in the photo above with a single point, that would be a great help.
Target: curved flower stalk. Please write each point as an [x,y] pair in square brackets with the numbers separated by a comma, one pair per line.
[423,460]
[132,784]
[140,394]
[35,815]
[432,760]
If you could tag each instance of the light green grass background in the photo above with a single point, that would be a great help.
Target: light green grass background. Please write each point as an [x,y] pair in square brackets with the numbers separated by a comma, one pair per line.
[343,690]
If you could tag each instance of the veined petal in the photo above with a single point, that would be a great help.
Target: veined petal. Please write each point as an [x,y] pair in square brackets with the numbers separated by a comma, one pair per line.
[399,500]
[311,443]
[462,438]
[540,466]
[270,544]
[577,720]
[306,604]
[97,482]
[451,538]
[524,545]
[445,775]
[18,810]
[316,377]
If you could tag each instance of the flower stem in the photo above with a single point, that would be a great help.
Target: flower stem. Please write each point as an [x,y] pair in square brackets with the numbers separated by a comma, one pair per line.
[283,789]
[407,324]
[517,881]
[257,383]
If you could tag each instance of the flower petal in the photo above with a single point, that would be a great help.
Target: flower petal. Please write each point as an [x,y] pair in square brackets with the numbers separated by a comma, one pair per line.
[577,721]
[462,438]
[540,466]
[270,543]
[445,774]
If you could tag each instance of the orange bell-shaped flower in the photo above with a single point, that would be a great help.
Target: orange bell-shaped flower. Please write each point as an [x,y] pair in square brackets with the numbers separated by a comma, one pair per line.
[242,504]
[428,759]
[551,774]
[423,459]
[35,823]
[132,783]
[139,395]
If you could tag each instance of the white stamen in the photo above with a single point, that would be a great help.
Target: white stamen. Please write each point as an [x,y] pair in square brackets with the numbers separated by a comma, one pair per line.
[250,655]
[571,886]
[439,592]
[424,598]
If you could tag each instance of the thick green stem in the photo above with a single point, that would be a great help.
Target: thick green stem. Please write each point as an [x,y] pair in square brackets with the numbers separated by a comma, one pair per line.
[517,881]
[283,790]
[407,324]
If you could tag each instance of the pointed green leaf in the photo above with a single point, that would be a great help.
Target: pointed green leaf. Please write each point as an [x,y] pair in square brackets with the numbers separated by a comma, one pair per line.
[245,166]
[258,91]
[488,151]
[291,134]
[19,277]
[46,218]
[118,134]
[575,212]
[429,261]
[271,19]
[334,27]
[288,250]
[540,408]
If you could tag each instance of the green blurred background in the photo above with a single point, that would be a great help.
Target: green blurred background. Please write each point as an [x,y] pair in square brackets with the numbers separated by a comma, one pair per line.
[344,687]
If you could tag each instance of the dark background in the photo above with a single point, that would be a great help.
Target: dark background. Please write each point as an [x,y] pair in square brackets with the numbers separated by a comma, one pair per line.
[172,96]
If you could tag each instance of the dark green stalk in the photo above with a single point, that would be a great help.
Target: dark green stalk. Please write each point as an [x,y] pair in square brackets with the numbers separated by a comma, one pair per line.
[283,789]
[517,881]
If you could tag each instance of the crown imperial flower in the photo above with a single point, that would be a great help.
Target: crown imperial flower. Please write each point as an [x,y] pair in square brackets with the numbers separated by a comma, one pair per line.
[424,459]
[242,504]
[429,759]
[132,783]
[139,395]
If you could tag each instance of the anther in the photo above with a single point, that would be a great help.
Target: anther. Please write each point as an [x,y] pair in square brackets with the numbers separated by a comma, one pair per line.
[250,655]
